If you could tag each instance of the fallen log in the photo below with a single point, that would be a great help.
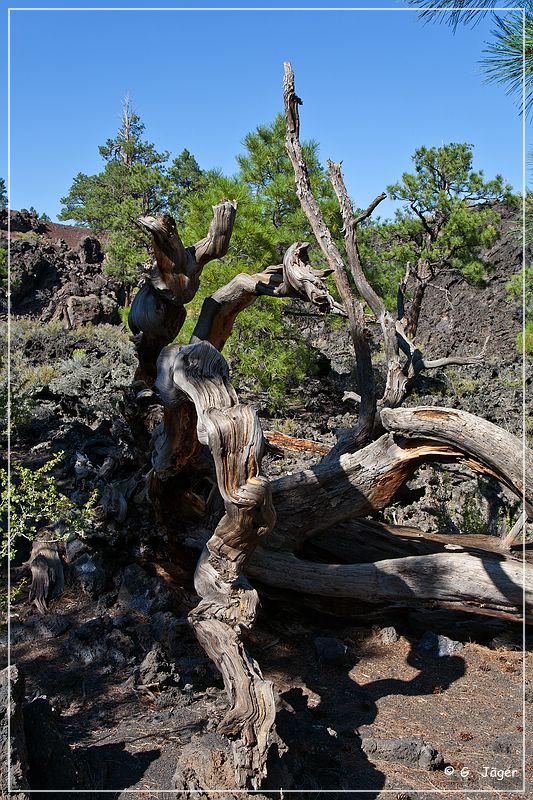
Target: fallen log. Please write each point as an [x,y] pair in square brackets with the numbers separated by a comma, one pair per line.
[487,582]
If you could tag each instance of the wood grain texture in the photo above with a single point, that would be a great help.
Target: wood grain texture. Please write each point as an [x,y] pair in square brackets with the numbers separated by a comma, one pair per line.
[493,447]
[486,581]
[294,278]
[228,602]
[157,312]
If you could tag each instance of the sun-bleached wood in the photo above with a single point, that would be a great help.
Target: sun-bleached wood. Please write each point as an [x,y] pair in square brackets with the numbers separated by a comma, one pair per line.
[228,602]
[157,312]
[487,581]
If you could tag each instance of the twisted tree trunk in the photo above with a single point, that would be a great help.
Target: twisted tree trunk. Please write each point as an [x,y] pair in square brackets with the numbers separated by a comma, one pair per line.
[357,478]
[228,602]
[201,409]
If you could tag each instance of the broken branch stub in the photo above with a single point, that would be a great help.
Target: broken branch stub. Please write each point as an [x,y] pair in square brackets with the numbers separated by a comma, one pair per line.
[157,312]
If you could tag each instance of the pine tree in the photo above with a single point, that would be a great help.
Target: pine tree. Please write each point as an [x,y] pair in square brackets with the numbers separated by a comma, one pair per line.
[269,219]
[131,184]
[447,218]
[184,178]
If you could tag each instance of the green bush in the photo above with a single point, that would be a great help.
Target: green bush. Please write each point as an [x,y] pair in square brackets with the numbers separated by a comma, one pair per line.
[32,501]
[524,340]
[267,354]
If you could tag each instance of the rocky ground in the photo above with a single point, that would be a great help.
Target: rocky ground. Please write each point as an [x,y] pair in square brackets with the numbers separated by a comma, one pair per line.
[113,692]
[56,273]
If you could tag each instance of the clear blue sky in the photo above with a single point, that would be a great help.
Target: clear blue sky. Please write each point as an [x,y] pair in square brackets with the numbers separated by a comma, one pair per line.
[375,85]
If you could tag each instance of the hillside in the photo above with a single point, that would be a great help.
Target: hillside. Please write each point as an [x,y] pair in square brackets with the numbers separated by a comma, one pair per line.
[56,273]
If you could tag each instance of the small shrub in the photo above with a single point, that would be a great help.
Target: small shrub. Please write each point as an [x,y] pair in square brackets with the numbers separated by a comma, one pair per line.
[462,385]
[287,426]
[124,313]
[524,340]
[472,519]
[28,236]
[33,501]
[79,354]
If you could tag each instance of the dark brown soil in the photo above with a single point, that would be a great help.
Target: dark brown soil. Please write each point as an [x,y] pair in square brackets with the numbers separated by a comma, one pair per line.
[467,706]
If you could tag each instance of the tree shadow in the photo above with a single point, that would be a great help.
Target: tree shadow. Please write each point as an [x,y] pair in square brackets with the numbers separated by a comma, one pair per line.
[111,766]
[324,742]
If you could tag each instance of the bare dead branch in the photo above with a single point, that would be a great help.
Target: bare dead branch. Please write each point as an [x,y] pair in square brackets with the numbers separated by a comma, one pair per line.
[285,442]
[293,278]
[457,361]
[489,444]
[513,535]
[354,309]
[371,208]
[487,581]
[350,236]
[216,243]
[157,312]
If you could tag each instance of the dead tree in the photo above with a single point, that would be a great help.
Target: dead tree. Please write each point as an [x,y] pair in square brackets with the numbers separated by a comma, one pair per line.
[204,433]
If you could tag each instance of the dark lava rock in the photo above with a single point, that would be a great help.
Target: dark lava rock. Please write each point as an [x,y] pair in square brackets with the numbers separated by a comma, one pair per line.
[438,646]
[143,592]
[121,648]
[98,640]
[39,627]
[200,673]
[170,632]
[388,635]
[74,547]
[410,750]
[329,650]
[17,753]
[52,764]
[88,572]
[173,697]
[90,250]
[507,640]
[92,629]
[156,670]
[21,221]
[56,280]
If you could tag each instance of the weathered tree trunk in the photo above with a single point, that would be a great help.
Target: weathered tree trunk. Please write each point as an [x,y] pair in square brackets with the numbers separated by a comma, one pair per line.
[157,312]
[361,483]
[481,581]
[357,478]
[491,449]
[228,602]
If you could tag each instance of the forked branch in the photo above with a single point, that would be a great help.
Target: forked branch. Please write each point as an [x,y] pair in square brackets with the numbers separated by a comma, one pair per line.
[293,278]
[157,312]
